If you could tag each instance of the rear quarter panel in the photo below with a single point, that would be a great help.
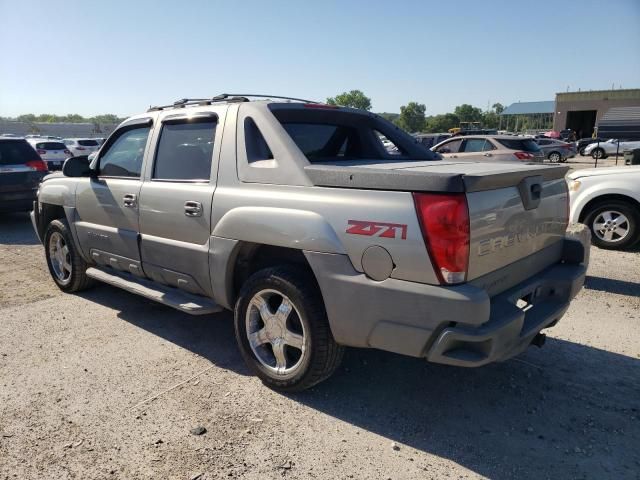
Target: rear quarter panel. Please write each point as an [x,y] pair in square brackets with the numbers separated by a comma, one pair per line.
[322,219]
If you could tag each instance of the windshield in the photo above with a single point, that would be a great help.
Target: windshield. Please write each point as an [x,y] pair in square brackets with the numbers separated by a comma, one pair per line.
[88,143]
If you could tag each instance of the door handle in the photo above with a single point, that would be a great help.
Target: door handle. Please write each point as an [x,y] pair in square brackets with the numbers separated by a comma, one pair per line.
[192,209]
[488,154]
[129,200]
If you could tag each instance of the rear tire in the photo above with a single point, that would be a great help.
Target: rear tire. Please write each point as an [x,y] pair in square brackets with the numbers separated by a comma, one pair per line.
[66,266]
[282,329]
[598,153]
[555,157]
[614,224]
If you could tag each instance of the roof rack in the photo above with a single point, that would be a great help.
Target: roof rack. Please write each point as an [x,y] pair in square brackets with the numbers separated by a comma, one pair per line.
[228,97]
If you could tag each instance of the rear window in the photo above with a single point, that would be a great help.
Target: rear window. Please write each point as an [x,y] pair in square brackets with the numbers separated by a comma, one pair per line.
[51,146]
[318,141]
[329,135]
[88,143]
[525,144]
[16,152]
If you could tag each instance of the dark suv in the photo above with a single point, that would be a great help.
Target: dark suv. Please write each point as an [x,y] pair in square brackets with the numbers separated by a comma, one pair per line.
[21,170]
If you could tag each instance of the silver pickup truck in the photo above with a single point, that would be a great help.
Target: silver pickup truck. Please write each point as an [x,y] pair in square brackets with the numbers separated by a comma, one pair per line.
[300,218]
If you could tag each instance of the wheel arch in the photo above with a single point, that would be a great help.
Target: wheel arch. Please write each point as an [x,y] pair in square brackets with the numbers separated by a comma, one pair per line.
[591,204]
[233,262]
[46,213]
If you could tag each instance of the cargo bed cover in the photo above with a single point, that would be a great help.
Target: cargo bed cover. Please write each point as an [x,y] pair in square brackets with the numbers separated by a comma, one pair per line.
[427,176]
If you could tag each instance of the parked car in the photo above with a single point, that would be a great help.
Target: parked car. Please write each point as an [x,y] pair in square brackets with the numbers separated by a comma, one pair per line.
[607,200]
[316,236]
[52,152]
[100,140]
[428,140]
[21,170]
[491,147]
[584,142]
[610,147]
[556,151]
[81,146]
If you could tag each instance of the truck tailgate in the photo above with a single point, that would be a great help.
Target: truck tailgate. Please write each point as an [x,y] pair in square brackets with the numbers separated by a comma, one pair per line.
[516,211]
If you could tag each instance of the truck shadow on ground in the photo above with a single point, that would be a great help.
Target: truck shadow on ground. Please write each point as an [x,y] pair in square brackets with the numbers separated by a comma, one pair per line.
[565,411]
[609,285]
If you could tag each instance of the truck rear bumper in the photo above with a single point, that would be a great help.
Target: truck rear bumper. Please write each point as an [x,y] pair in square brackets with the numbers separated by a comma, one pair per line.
[517,316]
[458,325]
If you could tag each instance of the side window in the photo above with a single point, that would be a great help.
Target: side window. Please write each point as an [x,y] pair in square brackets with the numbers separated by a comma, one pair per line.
[255,144]
[185,151]
[473,145]
[123,158]
[450,147]
[389,146]
[488,146]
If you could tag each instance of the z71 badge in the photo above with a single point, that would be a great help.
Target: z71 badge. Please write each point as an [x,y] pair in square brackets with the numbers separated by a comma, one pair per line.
[377,229]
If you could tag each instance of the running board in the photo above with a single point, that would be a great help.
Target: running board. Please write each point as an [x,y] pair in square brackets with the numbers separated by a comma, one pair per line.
[172,297]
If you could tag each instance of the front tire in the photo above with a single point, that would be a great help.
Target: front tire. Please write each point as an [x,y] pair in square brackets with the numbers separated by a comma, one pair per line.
[66,266]
[282,329]
[614,224]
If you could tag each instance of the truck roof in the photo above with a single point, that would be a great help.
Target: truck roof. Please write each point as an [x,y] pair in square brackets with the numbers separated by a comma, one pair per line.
[228,98]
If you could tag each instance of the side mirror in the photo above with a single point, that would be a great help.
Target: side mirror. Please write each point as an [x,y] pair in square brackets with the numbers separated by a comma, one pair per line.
[77,167]
[443,150]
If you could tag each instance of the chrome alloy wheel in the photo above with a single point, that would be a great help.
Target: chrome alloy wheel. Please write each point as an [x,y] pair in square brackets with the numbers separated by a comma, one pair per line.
[611,226]
[59,257]
[275,332]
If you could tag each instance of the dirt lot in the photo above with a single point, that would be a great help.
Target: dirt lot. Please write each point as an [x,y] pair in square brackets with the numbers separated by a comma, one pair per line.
[77,373]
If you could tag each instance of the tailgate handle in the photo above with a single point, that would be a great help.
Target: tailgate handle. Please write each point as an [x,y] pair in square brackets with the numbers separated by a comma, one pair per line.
[530,189]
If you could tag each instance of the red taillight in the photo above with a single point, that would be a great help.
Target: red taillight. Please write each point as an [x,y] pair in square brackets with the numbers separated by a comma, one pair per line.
[80,148]
[321,106]
[524,155]
[67,152]
[444,220]
[37,165]
[41,152]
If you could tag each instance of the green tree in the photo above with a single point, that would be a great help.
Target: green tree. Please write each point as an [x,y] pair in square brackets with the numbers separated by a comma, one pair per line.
[354,99]
[490,119]
[412,117]
[498,108]
[73,118]
[468,113]
[29,117]
[106,118]
[441,123]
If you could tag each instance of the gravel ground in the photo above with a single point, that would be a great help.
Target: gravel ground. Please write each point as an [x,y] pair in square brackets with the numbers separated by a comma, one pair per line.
[108,385]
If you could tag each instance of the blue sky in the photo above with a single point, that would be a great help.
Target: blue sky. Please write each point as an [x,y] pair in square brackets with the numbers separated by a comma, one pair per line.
[121,56]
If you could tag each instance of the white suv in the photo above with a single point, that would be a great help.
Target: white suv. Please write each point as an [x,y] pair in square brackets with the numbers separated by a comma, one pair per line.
[82,146]
[53,152]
